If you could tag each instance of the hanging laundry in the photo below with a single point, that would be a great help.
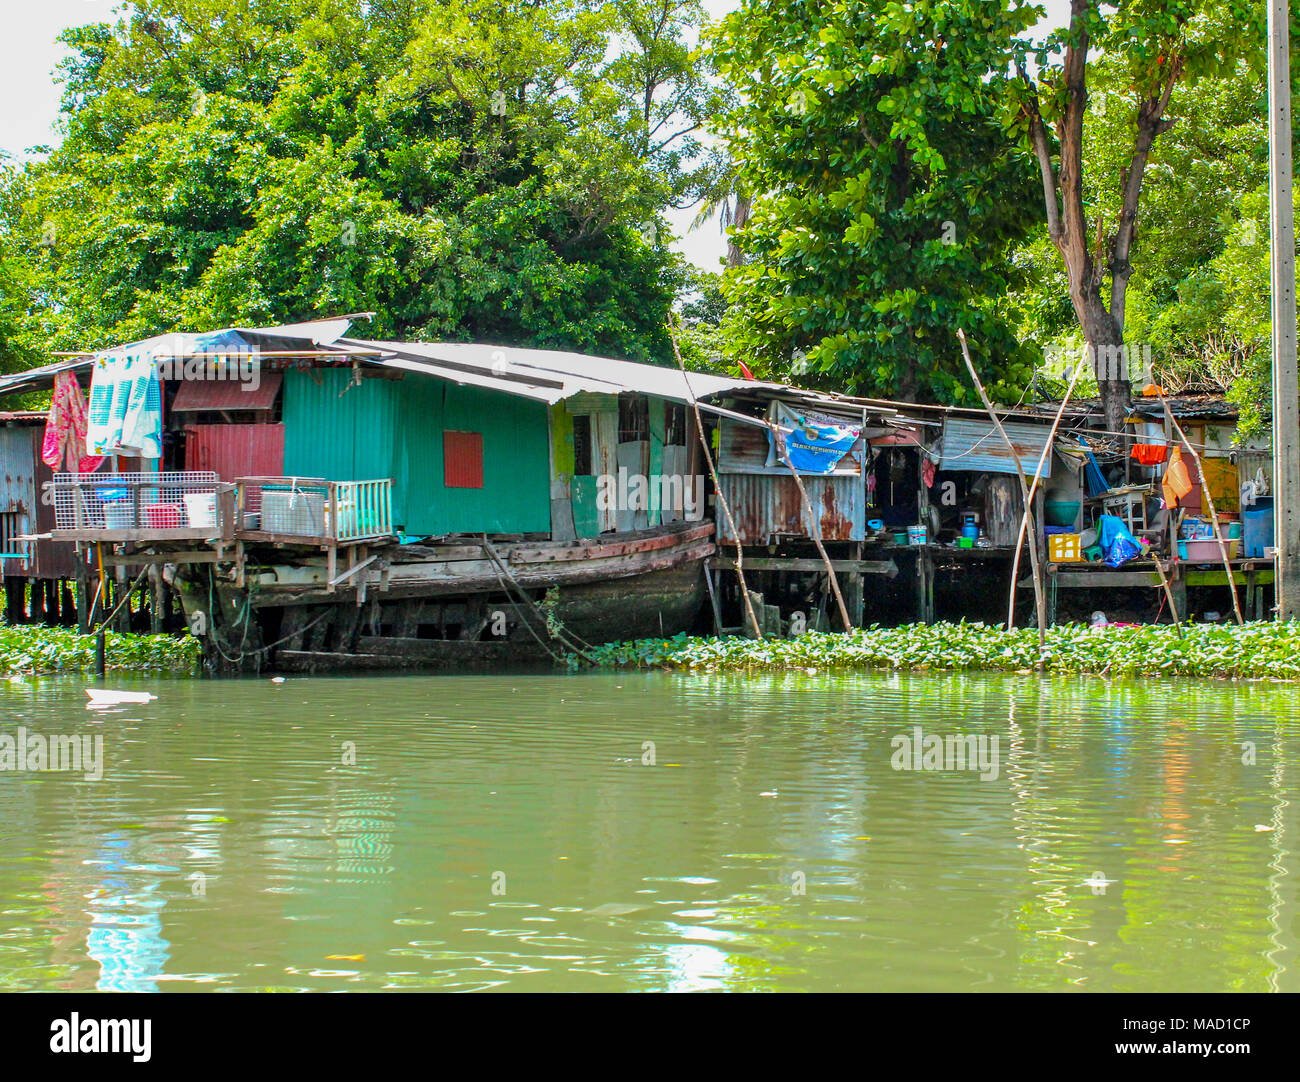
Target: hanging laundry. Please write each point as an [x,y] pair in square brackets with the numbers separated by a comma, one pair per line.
[1152,448]
[64,446]
[1177,483]
[125,407]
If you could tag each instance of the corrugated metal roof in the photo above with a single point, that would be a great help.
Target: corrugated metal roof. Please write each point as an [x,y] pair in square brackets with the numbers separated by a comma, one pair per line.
[550,375]
[288,336]
[228,394]
[971,444]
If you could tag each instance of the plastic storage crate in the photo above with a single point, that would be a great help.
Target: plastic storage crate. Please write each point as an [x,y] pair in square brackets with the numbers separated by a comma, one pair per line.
[1064,548]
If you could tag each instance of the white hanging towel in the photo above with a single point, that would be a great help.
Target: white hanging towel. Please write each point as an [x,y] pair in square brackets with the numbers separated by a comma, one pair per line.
[125,416]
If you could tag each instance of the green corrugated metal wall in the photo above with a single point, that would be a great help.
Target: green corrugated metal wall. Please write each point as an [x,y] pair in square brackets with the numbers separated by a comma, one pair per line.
[393,428]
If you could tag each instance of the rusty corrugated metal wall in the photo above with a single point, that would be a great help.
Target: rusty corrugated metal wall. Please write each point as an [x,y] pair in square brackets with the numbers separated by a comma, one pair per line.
[234,451]
[22,477]
[765,501]
[971,444]
[766,507]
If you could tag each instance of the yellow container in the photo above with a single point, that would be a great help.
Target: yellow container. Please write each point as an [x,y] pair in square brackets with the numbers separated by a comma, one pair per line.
[1064,548]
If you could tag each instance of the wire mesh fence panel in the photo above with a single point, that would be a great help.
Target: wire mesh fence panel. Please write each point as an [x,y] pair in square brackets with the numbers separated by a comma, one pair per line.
[167,500]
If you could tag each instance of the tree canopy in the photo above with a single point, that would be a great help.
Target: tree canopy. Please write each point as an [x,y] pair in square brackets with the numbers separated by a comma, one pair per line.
[886,194]
[473,169]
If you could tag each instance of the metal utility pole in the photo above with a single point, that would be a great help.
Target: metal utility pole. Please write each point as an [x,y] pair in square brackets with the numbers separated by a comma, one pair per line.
[1286,376]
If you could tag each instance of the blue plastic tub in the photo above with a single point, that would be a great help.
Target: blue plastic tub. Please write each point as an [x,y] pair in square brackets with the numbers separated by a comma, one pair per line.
[1256,532]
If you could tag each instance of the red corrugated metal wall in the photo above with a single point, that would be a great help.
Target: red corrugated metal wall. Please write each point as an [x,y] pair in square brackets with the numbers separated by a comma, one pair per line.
[234,451]
[462,459]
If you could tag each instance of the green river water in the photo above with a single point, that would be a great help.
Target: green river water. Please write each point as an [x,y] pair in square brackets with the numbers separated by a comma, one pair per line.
[654,832]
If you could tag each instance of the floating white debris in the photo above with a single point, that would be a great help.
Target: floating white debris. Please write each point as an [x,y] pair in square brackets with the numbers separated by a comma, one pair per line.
[1261,827]
[771,792]
[277,679]
[104,697]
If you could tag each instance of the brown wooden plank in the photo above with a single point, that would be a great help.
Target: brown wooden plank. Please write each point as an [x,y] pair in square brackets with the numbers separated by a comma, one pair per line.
[180,533]
[569,551]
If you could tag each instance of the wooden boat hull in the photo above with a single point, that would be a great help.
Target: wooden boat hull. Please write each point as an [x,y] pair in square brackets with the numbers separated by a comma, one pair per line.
[459,603]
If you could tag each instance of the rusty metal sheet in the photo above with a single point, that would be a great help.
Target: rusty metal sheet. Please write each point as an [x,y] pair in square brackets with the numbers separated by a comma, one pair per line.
[971,444]
[17,468]
[234,451]
[767,507]
[22,477]
[195,395]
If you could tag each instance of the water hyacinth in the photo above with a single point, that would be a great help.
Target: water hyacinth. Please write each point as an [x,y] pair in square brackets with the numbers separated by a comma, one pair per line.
[31,650]
[1260,650]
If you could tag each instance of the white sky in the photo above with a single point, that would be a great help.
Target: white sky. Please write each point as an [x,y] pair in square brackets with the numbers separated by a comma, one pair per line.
[31,97]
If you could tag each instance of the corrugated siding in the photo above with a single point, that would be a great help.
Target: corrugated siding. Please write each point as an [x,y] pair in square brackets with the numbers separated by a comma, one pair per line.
[17,468]
[515,497]
[767,506]
[970,444]
[337,431]
[233,451]
[394,428]
[22,475]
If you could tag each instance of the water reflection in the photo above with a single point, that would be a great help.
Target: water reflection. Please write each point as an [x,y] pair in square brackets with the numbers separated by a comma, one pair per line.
[503,833]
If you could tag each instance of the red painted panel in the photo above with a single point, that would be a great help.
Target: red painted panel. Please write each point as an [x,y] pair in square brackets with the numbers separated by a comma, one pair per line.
[462,459]
[227,394]
[235,451]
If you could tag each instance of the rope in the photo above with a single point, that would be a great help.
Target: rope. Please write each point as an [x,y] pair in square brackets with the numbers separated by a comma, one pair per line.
[127,597]
[560,633]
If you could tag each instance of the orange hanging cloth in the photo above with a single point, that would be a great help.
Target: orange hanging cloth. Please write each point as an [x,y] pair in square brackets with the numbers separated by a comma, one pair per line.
[1176,483]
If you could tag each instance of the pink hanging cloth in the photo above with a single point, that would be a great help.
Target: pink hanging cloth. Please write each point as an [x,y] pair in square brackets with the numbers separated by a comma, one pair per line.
[65,429]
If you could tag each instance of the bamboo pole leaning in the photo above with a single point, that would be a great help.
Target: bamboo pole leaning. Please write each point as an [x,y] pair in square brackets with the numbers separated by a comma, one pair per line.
[1039,603]
[1033,488]
[814,530]
[717,488]
[1214,515]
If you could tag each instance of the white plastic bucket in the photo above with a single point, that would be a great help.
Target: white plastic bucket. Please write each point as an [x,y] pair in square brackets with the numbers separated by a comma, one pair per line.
[201,508]
[119,515]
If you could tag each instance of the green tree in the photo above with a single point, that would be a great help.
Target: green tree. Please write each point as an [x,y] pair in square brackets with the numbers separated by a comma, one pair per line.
[886,192]
[1197,175]
[1144,51]
[478,169]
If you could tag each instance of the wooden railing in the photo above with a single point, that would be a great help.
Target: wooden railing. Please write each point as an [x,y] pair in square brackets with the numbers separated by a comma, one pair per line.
[311,510]
[361,509]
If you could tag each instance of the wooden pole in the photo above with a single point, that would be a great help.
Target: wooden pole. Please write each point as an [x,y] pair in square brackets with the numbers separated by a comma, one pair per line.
[717,488]
[1214,517]
[1169,596]
[814,529]
[1038,470]
[1286,373]
[1039,602]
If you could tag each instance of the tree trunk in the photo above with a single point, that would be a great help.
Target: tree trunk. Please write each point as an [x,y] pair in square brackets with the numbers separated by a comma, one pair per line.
[1107,356]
